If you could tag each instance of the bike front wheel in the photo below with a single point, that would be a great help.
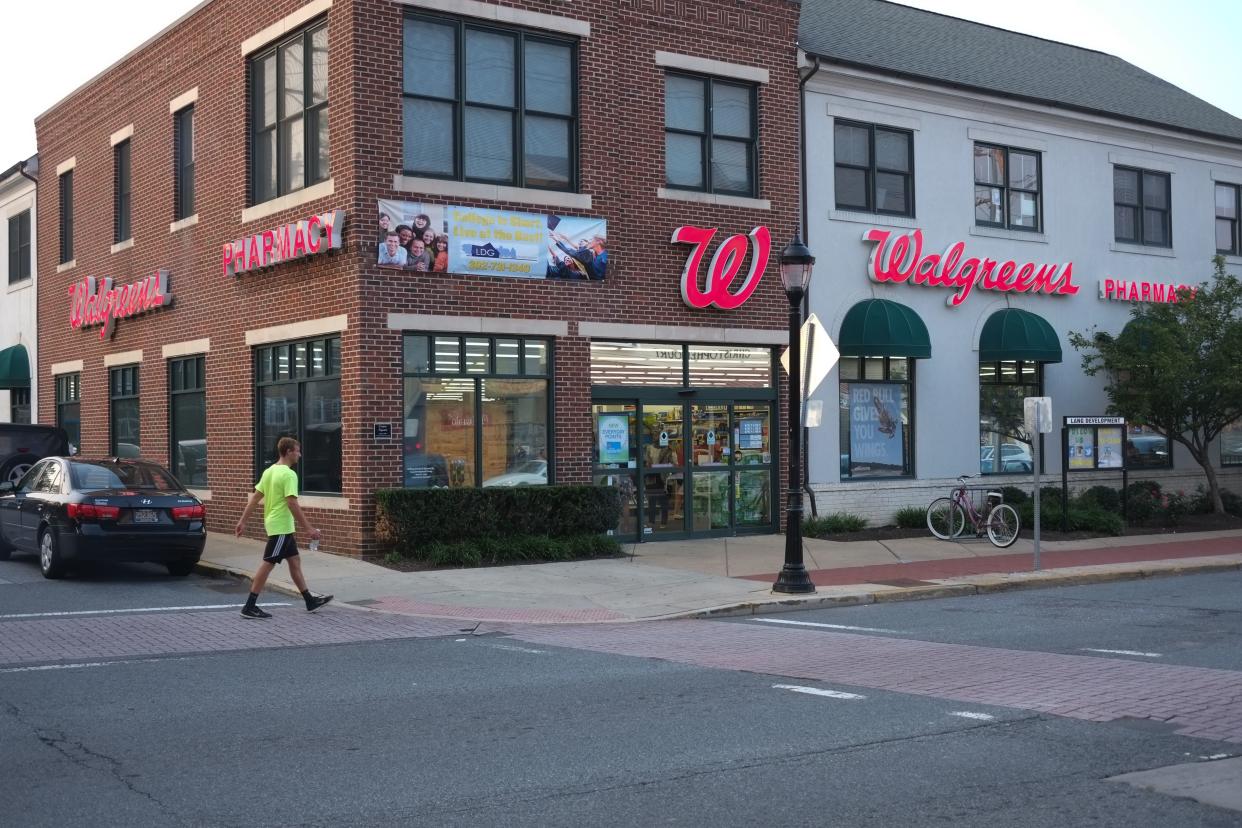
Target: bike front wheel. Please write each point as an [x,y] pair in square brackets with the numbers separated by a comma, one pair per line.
[1003,525]
[945,519]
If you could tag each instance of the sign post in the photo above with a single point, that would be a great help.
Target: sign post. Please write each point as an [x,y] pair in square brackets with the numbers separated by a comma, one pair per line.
[1037,413]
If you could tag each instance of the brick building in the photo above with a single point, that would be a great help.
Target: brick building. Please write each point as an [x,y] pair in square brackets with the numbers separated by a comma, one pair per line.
[216,204]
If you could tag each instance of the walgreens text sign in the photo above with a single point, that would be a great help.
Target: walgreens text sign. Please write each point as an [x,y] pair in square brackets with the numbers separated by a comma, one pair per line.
[99,303]
[726,262]
[902,260]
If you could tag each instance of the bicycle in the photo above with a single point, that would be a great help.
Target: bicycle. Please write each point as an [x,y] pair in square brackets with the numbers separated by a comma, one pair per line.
[947,516]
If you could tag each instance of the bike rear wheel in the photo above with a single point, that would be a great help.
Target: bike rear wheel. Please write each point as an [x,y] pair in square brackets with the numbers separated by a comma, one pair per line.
[945,518]
[1003,525]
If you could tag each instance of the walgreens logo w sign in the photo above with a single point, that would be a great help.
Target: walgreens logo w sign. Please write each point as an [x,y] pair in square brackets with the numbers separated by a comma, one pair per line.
[716,289]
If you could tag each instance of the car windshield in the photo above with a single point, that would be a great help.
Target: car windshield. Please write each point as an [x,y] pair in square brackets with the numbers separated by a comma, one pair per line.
[531,467]
[106,474]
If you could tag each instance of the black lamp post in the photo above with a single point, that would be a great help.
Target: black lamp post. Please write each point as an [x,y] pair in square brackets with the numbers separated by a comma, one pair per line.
[796,264]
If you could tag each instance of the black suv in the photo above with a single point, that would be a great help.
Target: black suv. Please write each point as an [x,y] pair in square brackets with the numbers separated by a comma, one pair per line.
[24,444]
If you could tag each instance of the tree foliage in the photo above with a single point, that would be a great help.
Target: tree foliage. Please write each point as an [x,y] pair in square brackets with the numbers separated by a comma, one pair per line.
[1177,366]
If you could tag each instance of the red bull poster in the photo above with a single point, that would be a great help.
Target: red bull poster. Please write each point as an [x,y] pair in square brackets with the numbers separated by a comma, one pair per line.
[876,437]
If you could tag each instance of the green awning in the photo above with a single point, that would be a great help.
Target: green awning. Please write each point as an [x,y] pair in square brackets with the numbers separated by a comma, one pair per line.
[1018,334]
[878,327]
[14,368]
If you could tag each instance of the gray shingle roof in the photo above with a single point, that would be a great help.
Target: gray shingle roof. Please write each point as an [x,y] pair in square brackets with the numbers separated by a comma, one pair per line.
[896,39]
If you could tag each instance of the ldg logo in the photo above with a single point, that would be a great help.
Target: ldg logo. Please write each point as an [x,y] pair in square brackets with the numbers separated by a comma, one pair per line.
[724,267]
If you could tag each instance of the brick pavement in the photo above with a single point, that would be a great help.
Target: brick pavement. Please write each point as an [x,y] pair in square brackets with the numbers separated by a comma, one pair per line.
[1195,701]
[1018,562]
[527,615]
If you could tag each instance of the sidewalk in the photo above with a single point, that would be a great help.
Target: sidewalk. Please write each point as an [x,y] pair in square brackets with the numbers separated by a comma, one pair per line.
[732,576]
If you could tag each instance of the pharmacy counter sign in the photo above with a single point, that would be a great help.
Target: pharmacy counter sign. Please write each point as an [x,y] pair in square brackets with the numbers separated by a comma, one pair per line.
[297,240]
[97,302]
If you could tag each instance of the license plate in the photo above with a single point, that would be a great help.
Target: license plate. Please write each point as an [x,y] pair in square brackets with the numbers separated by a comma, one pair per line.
[146,516]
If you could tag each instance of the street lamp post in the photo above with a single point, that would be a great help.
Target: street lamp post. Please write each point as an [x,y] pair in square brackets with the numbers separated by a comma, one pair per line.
[796,264]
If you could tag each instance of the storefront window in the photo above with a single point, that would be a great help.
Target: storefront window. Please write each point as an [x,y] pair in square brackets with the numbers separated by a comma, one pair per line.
[1231,444]
[123,395]
[19,405]
[1146,448]
[876,400]
[299,396]
[187,389]
[69,408]
[638,363]
[476,411]
[1004,445]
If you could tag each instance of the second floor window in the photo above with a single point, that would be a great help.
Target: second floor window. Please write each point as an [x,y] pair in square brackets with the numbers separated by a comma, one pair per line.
[183,164]
[289,115]
[874,168]
[709,135]
[1142,207]
[1228,206]
[1007,185]
[486,104]
[121,229]
[19,247]
[66,217]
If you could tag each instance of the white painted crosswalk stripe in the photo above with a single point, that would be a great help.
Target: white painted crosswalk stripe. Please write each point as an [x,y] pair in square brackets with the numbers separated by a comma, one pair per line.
[825,626]
[135,609]
[1123,652]
[966,714]
[817,691]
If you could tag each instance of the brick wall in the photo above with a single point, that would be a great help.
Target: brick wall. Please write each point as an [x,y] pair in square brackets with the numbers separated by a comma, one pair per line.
[621,166]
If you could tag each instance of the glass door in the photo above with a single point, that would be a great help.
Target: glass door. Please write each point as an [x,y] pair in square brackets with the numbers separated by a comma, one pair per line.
[614,459]
[664,469]
[711,509]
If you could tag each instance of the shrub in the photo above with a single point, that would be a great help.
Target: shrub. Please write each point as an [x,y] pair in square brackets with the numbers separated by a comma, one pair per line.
[1013,495]
[1095,520]
[912,517]
[1050,494]
[1142,499]
[1201,503]
[1172,507]
[1104,498]
[833,524]
[489,550]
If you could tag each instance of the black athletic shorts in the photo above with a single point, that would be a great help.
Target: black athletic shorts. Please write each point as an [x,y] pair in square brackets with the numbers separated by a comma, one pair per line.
[280,547]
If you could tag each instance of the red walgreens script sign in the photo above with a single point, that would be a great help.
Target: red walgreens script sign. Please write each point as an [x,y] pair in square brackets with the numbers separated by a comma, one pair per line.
[905,262]
[726,262]
[92,303]
[292,241]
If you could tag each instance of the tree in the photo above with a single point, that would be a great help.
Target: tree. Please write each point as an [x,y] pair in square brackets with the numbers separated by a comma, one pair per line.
[1177,366]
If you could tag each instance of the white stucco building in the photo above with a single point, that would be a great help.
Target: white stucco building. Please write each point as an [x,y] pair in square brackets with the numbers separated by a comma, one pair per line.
[934,145]
[18,266]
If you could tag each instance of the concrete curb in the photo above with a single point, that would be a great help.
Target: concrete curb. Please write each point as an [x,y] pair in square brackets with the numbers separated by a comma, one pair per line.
[209,568]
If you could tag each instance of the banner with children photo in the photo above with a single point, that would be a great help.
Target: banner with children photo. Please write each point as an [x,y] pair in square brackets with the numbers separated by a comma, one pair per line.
[455,239]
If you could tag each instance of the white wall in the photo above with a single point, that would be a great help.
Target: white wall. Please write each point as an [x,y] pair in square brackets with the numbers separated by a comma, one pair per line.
[1078,154]
[17,302]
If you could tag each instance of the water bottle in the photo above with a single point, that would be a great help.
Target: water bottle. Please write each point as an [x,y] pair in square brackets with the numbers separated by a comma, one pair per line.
[314,545]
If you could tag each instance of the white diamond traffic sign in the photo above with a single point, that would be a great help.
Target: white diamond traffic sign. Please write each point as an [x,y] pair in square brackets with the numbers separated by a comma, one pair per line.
[819,355]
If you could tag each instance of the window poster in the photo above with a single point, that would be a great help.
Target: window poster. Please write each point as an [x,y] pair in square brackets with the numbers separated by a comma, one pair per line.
[876,437]
[1109,449]
[750,433]
[614,438]
[1082,448]
[440,238]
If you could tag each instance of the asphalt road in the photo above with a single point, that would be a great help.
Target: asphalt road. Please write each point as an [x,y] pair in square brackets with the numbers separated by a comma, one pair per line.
[348,717]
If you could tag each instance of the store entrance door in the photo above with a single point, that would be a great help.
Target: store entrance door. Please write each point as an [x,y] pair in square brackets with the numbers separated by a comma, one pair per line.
[687,469]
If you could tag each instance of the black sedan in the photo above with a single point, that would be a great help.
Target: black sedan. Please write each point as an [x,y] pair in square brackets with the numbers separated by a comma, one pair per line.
[69,509]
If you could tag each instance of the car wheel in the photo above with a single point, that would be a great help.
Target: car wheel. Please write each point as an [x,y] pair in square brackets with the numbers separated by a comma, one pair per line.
[50,563]
[181,567]
[16,467]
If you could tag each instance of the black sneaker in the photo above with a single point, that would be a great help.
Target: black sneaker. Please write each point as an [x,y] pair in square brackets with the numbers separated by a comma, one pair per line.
[316,601]
[254,612]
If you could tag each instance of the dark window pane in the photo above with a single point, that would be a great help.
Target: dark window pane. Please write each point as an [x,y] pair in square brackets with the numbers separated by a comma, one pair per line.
[852,145]
[430,59]
[684,103]
[293,154]
[1226,201]
[507,356]
[318,358]
[1224,235]
[1125,186]
[1024,171]
[988,205]
[189,431]
[684,160]
[265,166]
[989,165]
[731,166]
[549,77]
[1155,228]
[490,68]
[321,444]
[265,91]
[851,187]
[1155,191]
[319,144]
[417,357]
[292,77]
[547,152]
[428,135]
[489,144]
[319,65]
[890,192]
[1125,223]
[1023,210]
[278,417]
[731,115]
[536,357]
[125,431]
[892,151]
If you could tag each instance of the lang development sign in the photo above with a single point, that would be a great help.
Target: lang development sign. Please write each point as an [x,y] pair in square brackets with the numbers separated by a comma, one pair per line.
[94,302]
[436,238]
[307,237]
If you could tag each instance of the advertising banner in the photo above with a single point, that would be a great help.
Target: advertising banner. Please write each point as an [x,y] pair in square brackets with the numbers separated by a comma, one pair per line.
[439,238]
[614,438]
[1110,454]
[1082,448]
[876,438]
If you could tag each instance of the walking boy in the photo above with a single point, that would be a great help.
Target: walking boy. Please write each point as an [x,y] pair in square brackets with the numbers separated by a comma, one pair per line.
[278,489]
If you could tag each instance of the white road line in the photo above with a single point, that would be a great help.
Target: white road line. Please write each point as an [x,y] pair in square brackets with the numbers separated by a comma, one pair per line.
[825,626]
[514,649]
[816,691]
[966,714]
[1123,652]
[86,664]
[135,609]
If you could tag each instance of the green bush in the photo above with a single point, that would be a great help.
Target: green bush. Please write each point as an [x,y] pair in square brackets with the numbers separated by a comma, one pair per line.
[1172,507]
[1013,495]
[1103,498]
[1201,503]
[1050,494]
[490,550]
[833,524]
[409,520]
[1079,519]
[1142,500]
[912,517]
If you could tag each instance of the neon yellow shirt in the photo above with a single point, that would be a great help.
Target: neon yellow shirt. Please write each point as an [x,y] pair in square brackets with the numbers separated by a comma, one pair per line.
[278,482]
